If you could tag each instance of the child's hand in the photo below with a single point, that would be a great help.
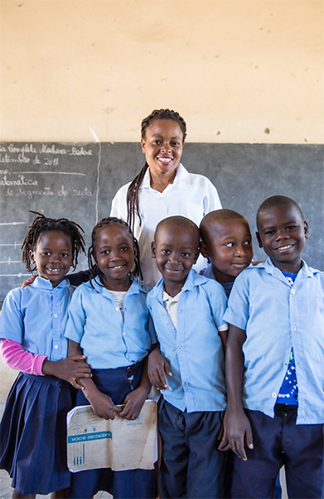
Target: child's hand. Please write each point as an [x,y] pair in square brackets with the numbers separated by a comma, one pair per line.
[237,432]
[103,406]
[133,403]
[29,281]
[157,367]
[69,369]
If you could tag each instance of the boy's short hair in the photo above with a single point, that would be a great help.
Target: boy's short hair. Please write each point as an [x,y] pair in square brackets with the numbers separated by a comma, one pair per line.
[208,223]
[273,201]
[178,221]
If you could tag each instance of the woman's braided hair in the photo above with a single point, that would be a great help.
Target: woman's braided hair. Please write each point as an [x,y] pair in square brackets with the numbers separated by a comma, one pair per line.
[94,269]
[132,192]
[44,224]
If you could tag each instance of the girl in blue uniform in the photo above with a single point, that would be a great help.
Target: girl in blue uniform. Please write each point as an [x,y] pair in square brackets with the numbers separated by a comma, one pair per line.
[32,325]
[109,322]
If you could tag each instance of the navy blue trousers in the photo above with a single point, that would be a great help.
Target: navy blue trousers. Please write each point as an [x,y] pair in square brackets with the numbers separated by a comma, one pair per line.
[279,441]
[191,465]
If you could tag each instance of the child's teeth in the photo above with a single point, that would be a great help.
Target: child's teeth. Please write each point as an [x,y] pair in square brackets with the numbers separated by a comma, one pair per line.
[285,247]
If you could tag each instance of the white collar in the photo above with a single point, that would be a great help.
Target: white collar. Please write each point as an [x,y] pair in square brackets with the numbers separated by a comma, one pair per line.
[181,174]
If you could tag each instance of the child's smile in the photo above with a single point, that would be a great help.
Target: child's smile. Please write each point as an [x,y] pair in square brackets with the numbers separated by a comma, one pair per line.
[176,250]
[229,248]
[114,255]
[53,256]
[282,234]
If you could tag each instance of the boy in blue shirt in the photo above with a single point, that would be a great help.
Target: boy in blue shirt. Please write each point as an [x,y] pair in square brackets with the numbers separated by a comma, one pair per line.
[274,362]
[227,243]
[187,311]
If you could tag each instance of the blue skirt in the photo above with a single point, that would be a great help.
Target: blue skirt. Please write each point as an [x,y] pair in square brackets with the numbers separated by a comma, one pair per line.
[141,484]
[33,434]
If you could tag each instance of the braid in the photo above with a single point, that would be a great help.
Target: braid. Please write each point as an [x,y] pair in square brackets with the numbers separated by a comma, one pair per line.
[132,192]
[94,269]
[44,224]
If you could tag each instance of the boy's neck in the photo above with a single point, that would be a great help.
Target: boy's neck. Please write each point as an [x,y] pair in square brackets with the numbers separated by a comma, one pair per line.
[222,278]
[173,289]
[290,267]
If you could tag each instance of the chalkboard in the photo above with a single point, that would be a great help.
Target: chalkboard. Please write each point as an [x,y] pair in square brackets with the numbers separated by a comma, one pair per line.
[78,181]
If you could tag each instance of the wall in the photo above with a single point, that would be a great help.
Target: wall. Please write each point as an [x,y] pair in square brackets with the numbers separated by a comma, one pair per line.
[248,71]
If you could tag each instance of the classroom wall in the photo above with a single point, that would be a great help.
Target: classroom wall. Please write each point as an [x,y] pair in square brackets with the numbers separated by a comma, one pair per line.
[239,71]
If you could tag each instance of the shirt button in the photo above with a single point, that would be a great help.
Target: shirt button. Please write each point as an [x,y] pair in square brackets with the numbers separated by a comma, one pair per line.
[293,291]
[124,334]
[179,348]
[117,308]
[294,328]
[274,395]
[185,383]
[55,315]
[56,346]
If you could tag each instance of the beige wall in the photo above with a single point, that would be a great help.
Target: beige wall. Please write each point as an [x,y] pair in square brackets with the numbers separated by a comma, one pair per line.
[237,70]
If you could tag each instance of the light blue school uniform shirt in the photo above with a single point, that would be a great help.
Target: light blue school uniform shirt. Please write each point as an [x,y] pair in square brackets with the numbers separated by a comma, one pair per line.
[36,317]
[276,317]
[108,339]
[194,350]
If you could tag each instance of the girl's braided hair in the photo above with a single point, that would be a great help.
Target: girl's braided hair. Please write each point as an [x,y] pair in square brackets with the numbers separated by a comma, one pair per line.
[44,224]
[132,192]
[94,269]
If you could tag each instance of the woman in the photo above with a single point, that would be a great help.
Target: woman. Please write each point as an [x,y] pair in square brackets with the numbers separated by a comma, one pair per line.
[163,187]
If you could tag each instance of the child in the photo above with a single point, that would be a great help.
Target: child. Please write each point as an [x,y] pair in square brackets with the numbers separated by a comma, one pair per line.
[227,243]
[187,312]
[109,321]
[32,324]
[274,362]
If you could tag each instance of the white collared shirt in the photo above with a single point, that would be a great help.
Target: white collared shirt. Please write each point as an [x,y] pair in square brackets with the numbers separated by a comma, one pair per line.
[190,195]
[171,306]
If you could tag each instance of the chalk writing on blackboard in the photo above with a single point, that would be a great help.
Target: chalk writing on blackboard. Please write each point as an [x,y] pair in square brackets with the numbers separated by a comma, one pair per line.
[59,180]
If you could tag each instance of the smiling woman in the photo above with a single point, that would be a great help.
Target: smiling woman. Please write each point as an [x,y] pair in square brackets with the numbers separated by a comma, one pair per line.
[163,187]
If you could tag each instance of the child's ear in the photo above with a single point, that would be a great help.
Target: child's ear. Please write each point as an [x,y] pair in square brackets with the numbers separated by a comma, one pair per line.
[259,239]
[31,256]
[153,249]
[306,229]
[197,255]
[203,250]
[94,257]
